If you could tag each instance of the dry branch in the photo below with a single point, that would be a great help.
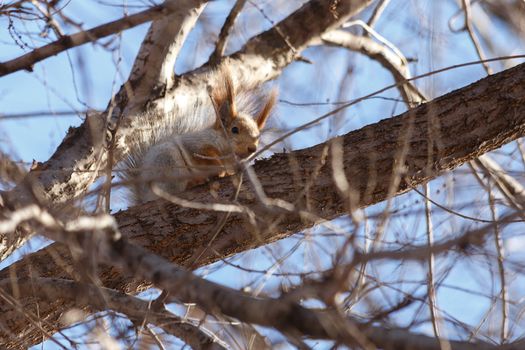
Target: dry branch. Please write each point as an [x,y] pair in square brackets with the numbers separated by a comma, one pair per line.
[69,41]
[101,299]
[388,59]
[153,66]
[487,115]
[225,31]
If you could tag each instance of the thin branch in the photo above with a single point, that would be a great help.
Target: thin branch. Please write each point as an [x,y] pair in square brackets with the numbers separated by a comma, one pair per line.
[511,189]
[386,57]
[515,194]
[155,337]
[237,334]
[501,268]
[432,301]
[378,11]
[225,31]
[69,41]
[10,171]
[153,69]
[470,30]
[43,114]
[420,253]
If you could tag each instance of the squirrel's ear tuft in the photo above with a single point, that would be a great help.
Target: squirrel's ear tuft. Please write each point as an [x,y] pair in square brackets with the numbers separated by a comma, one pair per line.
[219,113]
[223,97]
[266,110]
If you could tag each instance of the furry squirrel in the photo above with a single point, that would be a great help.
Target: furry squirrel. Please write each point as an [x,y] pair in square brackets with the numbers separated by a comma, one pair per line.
[175,159]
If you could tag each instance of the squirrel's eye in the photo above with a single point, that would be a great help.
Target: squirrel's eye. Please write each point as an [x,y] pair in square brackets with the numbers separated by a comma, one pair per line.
[235,130]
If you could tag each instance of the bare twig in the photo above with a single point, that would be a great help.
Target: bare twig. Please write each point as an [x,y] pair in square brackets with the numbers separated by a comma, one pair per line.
[10,170]
[68,41]
[432,301]
[470,30]
[378,11]
[511,189]
[225,31]
[470,238]
[501,268]
[387,58]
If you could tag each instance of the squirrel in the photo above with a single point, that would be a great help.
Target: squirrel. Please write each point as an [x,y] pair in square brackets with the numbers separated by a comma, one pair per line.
[176,161]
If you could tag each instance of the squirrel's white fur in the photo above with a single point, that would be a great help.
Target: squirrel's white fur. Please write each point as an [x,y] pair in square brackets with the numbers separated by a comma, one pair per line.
[187,147]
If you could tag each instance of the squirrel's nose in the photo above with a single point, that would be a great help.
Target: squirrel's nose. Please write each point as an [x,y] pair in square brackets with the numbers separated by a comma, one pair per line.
[252,149]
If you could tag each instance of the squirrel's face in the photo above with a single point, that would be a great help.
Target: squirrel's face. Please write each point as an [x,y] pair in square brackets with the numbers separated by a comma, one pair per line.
[242,129]
[244,134]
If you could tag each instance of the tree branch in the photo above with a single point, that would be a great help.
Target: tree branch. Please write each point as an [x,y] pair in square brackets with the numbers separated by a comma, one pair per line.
[225,31]
[154,64]
[69,41]
[101,299]
[388,59]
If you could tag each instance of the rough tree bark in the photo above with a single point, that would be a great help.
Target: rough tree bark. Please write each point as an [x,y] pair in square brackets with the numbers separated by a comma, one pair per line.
[486,114]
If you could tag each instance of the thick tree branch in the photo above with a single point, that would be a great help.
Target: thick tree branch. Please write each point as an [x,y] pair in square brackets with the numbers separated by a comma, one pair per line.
[154,64]
[486,114]
[77,161]
[400,339]
[101,299]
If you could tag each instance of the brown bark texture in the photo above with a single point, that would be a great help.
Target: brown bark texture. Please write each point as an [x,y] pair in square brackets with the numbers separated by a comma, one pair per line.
[414,147]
